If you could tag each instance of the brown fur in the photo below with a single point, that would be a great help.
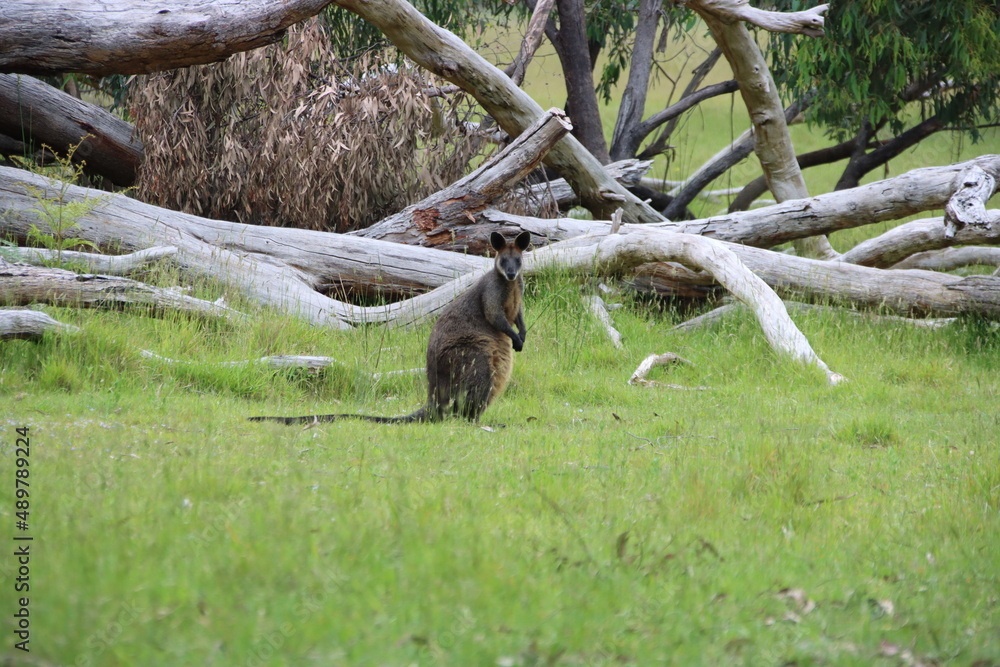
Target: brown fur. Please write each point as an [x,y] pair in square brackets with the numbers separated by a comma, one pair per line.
[470,354]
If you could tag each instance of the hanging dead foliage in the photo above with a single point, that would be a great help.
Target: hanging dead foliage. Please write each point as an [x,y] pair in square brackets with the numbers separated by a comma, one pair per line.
[287,135]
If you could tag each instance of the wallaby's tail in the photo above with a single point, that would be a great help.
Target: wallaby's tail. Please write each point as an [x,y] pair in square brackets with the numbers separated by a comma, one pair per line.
[418,416]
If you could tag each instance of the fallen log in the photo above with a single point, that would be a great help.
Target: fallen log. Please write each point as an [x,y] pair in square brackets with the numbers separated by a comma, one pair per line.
[432,221]
[894,246]
[22,285]
[617,253]
[890,199]
[114,265]
[949,259]
[36,113]
[29,324]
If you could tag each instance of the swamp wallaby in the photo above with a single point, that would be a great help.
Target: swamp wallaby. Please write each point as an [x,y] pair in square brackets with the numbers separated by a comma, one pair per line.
[469,358]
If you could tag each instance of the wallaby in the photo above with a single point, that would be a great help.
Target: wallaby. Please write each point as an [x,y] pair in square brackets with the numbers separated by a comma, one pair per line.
[469,357]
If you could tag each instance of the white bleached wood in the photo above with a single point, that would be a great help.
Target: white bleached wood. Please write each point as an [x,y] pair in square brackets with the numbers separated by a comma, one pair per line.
[968,205]
[23,284]
[808,22]
[29,324]
[891,248]
[618,252]
[641,374]
[949,259]
[599,310]
[112,265]
[102,37]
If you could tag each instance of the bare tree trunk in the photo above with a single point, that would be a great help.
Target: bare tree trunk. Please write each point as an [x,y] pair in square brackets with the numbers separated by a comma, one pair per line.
[633,101]
[124,37]
[757,187]
[35,113]
[772,142]
[581,101]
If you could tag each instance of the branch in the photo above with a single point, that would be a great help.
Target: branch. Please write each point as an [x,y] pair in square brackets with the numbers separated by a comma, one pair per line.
[532,40]
[894,246]
[968,205]
[697,77]
[22,285]
[719,164]
[618,252]
[949,259]
[809,22]
[115,265]
[125,37]
[648,126]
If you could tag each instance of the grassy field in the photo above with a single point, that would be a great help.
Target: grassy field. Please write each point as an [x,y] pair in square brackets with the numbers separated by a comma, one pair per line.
[760,517]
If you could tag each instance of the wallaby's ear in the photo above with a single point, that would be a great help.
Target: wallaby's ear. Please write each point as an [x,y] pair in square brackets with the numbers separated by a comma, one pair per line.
[498,241]
[523,240]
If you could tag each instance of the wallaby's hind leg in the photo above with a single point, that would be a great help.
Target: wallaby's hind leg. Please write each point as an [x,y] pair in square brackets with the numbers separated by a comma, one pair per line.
[463,382]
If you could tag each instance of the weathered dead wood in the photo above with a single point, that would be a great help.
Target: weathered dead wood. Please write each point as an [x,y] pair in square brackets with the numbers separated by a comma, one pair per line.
[282,362]
[281,266]
[714,316]
[968,205]
[641,374]
[921,293]
[894,246]
[908,293]
[949,259]
[21,285]
[599,310]
[772,143]
[433,221]
[532,40]
[124,37]
[443,53]
[560,194]
[619,252]
[29,324]
[808,22]
[36,113]
[893,198]
[112,265]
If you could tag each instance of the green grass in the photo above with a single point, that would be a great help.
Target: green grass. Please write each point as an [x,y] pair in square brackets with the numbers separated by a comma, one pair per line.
[604,524]
[769,519]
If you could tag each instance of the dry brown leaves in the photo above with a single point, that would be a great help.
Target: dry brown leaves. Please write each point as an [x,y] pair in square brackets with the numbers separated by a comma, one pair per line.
[288,135]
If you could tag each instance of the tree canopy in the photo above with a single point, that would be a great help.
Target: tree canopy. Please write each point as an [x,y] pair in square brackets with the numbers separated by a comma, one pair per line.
[881,55]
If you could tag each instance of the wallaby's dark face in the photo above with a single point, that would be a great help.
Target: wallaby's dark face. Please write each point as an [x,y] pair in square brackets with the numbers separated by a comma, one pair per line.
[508,261]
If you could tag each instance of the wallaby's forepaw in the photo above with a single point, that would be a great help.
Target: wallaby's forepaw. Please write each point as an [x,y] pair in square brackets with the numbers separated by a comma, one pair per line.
[517,342]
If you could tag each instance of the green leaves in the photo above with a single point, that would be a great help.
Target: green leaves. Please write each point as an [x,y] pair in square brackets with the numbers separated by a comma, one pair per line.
[880,58]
